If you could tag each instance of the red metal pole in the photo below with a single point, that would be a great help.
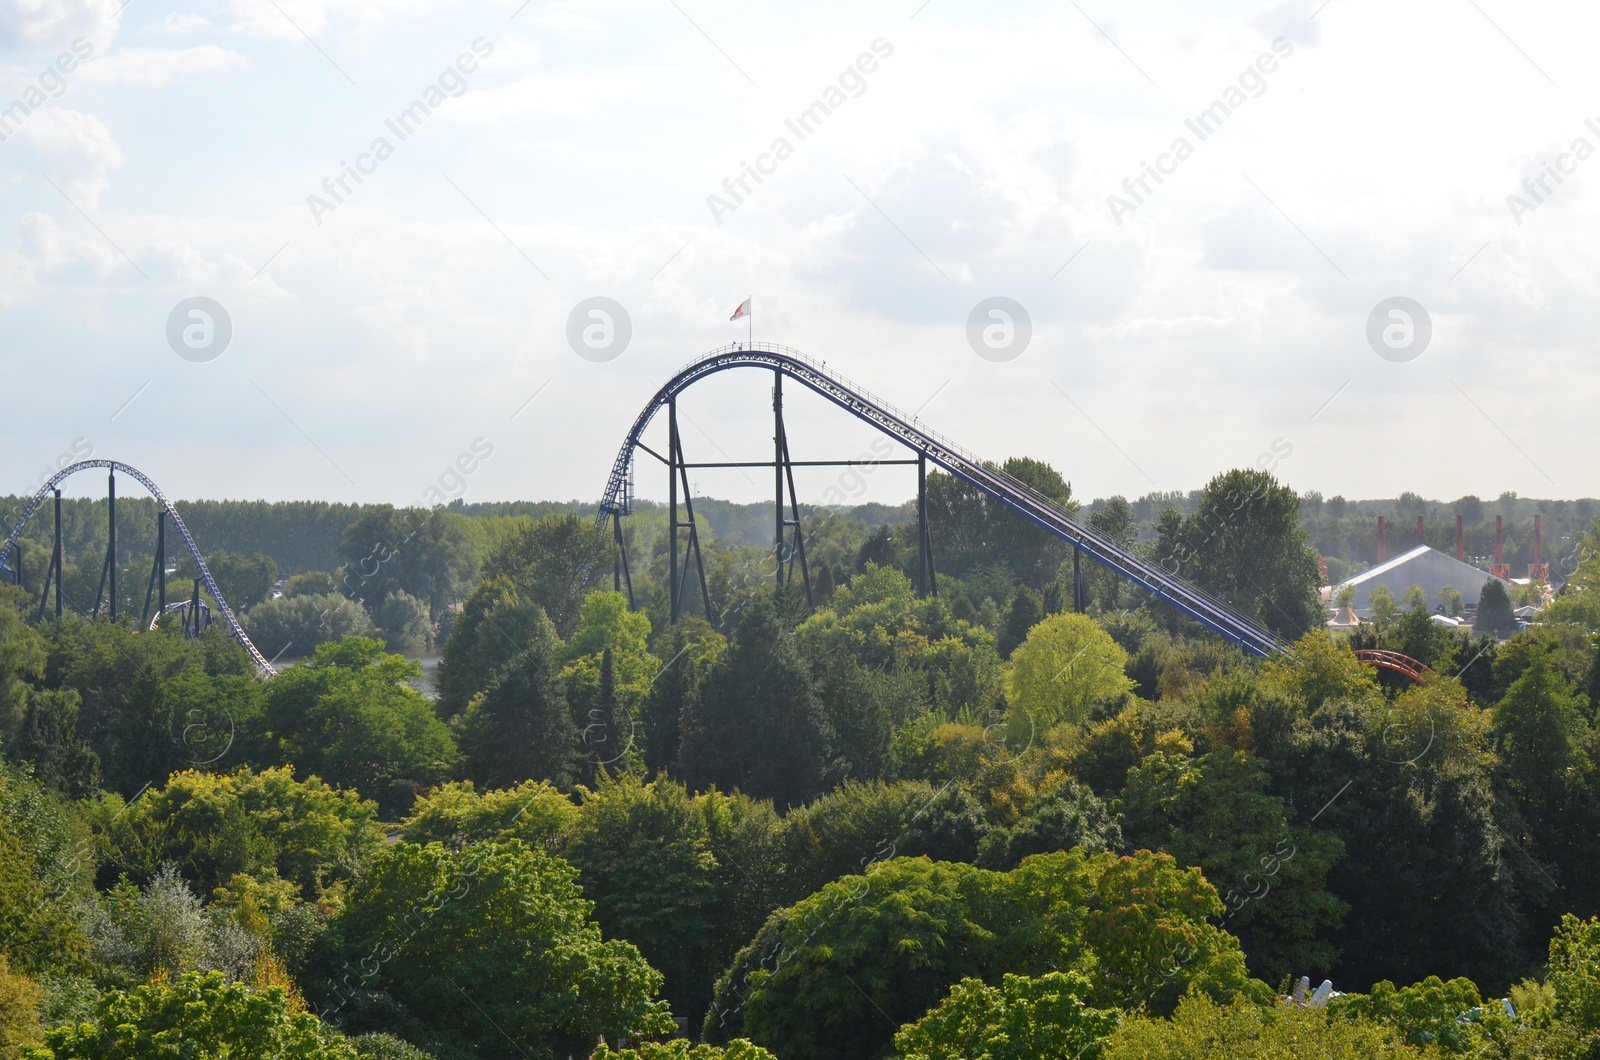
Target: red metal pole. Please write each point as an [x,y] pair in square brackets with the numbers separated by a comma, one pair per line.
[1499,541]
[1538,540]
[1381,554]
[1461,553]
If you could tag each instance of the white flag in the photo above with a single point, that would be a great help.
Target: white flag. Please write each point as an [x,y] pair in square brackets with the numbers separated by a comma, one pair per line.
[742,311]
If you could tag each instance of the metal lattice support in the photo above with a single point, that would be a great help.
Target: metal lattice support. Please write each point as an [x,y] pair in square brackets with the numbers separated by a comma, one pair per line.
[262,665]
[995,484]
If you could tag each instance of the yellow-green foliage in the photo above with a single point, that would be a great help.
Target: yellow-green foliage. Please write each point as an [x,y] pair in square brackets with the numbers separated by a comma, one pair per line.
[1067,665]
[214,826]
[19,1011]
[456,813]
[1201,1029]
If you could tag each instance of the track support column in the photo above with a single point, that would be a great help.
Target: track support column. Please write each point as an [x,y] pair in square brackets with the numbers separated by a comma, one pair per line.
[111,545]
[926,583]
[1077,580]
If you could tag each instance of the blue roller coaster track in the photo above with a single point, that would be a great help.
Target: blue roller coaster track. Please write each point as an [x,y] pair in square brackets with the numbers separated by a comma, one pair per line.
[228,618]
[995,484]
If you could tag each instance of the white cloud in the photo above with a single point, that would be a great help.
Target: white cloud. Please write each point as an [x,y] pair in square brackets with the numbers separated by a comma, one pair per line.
[152,68]
[52,25]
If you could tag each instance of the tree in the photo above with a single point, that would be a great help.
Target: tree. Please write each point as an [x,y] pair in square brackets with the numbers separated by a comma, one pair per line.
[351,717]
[491,949]
[680,1049]
[1021,1019]
[455,814]
[45,869]
[643,854]
[556,561]
[497,622]
[294,626]
[1575,972]
[1201,1029]
[431,554]
[1450,599]
[403,621]
[1245,544]
[607,674]
[822,977]
[859,824]
[216,826]
[202,1014]
[244,581]
[758,727]
[690,648]
[19,1011]
[1064,669]
[1027,610]
[1116,520]
[1067,816]
[1494,609]
[1380,601]
[1422,1014]
[1415,598]
[520,728]
[1214,812]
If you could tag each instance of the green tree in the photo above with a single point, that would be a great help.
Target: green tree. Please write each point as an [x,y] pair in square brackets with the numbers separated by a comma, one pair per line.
[759,727]
[1245,544]
[861,823]
[1575,972]
[1450,599]
[244,581]
[690,648]
[821,976]
[1067,666]
[201,1015]
[491,949]
[1201,1029]
[45,868]
[1116,520]
[455,814]
[294,626]
[1066,816]
[351,717]
[1381,602]
[556,561]
[1422,1014]
[1415,598]
[521,728]
[1214,812]
[1021,1019]
[1027,611]
[644,856]
[497,622]
[403,621]
[216,826]
[1494,609]
[682,1050]
[19,1011]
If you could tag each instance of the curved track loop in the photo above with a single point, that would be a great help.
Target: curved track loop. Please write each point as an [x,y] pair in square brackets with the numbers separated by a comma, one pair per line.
[997,485]
[134,473]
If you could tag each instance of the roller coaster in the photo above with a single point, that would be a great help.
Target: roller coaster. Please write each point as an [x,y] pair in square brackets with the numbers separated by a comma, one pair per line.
[193,611]
[926,445]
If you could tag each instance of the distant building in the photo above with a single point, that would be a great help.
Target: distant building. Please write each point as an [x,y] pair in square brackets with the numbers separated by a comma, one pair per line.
[1424,566]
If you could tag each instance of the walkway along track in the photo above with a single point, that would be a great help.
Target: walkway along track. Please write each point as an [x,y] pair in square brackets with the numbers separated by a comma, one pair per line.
[993,483]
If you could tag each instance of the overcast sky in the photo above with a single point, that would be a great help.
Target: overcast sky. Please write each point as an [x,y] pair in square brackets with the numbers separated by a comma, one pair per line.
[564,151]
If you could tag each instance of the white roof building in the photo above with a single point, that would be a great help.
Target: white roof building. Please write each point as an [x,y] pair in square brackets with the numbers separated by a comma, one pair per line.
[1424,566]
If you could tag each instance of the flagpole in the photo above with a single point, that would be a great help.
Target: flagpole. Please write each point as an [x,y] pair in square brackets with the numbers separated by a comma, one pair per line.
[750,325]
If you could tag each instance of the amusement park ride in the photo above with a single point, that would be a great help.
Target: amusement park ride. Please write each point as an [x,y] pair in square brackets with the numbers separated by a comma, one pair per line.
[923,445]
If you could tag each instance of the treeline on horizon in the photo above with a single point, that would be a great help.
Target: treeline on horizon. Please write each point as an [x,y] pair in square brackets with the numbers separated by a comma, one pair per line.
[306,535]
[864,825]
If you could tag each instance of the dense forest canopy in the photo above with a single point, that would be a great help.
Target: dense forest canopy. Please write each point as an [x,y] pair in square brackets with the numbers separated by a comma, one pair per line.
[491,810]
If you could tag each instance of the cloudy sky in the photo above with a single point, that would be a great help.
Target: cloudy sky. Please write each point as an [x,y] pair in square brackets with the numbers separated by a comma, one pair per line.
[1361,152]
